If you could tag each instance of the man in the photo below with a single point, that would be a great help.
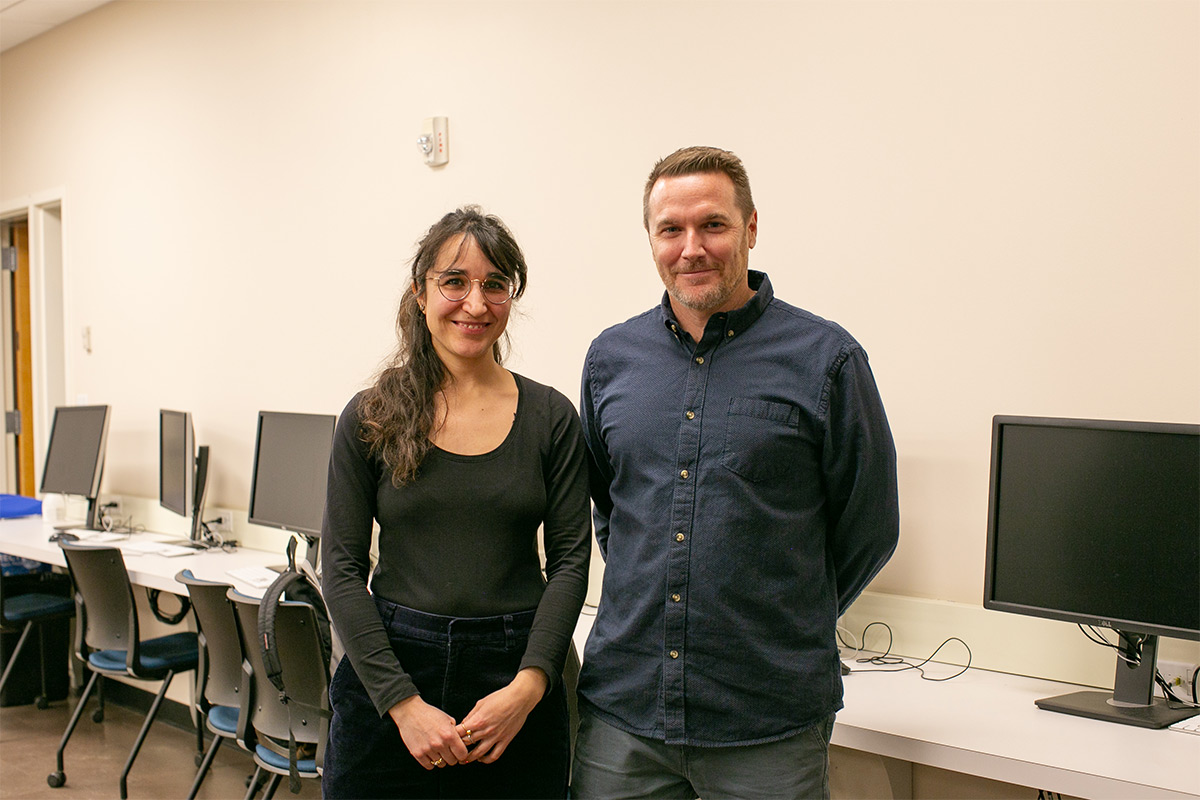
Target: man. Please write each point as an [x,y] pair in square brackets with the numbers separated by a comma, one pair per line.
[744,480]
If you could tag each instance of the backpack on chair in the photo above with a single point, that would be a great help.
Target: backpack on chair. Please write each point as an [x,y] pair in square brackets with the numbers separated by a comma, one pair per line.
[295,584]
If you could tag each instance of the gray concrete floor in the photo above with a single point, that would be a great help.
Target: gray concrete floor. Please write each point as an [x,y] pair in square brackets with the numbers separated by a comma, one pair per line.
[96,754]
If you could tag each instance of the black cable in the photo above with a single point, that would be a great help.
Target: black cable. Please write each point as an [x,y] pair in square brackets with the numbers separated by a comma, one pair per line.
[1169,693]
[1135,645]
[1195,675]
[185,605]
[900,665]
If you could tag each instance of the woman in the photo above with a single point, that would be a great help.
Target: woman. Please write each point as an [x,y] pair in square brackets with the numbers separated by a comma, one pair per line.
[451,685]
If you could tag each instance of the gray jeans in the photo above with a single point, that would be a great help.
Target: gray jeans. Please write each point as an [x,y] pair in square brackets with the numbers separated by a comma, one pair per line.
[612,764]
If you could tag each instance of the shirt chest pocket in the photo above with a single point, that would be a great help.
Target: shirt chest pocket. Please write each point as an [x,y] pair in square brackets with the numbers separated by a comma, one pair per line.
[761,437]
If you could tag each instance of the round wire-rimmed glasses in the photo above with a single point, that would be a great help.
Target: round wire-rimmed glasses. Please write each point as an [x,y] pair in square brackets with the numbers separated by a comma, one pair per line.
[455,286]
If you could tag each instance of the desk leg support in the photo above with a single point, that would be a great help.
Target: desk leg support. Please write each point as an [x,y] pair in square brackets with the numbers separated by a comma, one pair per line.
[856,774]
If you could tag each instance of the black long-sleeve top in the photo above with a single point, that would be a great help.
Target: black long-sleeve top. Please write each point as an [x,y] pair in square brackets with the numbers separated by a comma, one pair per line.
[461,538]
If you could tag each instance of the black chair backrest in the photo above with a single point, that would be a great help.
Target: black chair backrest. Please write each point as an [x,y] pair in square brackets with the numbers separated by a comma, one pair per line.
[268,713]
[305,667]
[1,595]
[109,620]
[220,642]
[45,583]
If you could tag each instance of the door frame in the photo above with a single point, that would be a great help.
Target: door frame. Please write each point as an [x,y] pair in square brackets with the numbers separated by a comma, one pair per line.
[48,309]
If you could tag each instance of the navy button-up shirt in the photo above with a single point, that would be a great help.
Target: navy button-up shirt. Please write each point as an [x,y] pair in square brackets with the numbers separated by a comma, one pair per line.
[745,493]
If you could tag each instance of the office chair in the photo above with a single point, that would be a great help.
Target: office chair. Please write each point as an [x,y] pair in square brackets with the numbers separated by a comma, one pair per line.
[30,610]
[306,676]
[107,640]
[220,697]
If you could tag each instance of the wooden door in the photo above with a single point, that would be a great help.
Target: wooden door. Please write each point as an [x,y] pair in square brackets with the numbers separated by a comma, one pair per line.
[22,361]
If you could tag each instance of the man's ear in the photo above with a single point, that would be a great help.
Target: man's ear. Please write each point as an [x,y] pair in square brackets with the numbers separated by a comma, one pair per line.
[752,228]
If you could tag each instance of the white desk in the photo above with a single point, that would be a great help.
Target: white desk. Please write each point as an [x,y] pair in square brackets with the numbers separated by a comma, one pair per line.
[28,537]
[986,724]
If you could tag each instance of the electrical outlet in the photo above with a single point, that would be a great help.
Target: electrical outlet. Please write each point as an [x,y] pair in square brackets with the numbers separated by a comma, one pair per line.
[1178,676]
[223,522]
[110,510]
[112,505]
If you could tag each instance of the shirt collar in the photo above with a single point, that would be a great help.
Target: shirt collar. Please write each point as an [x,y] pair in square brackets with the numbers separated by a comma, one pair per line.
[735,321]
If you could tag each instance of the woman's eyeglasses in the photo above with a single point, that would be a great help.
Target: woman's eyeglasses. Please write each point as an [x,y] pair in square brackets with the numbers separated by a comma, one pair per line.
[455,286]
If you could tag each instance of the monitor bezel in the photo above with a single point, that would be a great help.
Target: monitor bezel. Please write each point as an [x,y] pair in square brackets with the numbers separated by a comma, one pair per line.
[93,493]
[98,464]
[999,423]
[311,534]
[189,465]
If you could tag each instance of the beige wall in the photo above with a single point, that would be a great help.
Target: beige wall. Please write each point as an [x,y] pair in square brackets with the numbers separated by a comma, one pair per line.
[998,199]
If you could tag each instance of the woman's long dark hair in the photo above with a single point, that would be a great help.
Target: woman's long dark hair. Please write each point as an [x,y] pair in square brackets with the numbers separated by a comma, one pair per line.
[398,411]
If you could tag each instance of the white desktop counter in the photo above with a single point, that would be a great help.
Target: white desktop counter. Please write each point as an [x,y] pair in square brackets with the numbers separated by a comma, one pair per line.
[28,537]
[986,724]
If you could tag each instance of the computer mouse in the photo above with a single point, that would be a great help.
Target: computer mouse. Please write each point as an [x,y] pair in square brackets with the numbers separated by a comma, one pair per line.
[64,536]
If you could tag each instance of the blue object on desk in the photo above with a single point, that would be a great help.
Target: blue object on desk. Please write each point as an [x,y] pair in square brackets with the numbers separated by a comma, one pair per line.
[15,565]
[14,505]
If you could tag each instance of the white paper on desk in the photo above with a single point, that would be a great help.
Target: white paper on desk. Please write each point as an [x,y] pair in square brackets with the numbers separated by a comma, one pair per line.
[156,549]
[104,538]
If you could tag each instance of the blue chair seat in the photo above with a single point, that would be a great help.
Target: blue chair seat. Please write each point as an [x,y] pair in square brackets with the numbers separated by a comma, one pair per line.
[177,652]
[24,607]
[224,719]
[280,762]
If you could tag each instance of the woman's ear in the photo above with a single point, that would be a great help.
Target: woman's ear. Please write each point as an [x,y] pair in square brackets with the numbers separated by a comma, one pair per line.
[417,294]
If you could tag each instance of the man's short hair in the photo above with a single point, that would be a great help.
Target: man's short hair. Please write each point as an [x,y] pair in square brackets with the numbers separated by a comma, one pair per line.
[693,160]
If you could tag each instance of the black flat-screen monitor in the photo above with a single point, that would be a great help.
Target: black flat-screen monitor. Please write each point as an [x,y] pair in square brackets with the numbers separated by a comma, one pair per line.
[182,470]
[1098,523]
[75,456]
[291,468]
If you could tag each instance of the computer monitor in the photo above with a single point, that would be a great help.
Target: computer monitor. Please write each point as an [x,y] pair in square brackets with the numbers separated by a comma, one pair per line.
[75,457]
[182,469]
[1098,523]
[291,468]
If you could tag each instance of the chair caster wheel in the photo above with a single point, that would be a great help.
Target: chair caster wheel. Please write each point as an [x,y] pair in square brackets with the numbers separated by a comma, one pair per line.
[98,715]
[41,702]
[56,779]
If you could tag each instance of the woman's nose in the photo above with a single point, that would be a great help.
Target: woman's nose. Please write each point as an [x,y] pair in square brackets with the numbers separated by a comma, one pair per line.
[475,302]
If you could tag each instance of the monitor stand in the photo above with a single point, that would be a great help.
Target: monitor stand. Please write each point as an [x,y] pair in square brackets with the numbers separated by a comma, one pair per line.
[1132,700]
[93,515]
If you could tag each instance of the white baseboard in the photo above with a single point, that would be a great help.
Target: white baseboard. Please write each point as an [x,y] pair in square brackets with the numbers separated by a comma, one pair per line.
[999,641]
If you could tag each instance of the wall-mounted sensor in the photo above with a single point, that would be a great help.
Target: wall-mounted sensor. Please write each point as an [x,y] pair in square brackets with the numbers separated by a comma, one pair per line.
[433,141]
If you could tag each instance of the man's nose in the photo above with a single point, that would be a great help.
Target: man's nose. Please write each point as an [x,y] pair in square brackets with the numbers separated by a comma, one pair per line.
[693,245]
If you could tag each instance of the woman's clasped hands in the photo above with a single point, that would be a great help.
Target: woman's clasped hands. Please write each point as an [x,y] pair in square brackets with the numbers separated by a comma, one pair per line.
[436,741]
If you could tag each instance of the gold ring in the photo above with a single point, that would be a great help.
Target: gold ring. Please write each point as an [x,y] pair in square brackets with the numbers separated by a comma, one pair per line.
[467,738]
[441,762]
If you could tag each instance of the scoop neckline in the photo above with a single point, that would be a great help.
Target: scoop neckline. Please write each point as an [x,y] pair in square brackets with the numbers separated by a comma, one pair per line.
[498,448]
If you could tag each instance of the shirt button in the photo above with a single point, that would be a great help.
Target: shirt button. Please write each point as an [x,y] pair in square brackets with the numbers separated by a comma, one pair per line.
[675,597]
[679,537]
[729,334]
[699,359]
[674,654]
[690,415]
[683,474]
